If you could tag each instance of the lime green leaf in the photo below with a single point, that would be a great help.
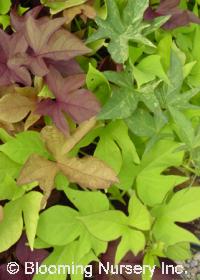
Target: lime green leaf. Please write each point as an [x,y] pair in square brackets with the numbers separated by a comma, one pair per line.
[152,187]
[58,6]
[9,189]
[31,206]
[11,226]
[149,68]
[106,225]
[184,205]
[4,21]
[5,6]
[125,152]
[166,231]
[8,167]
[58,225]
[139,216]
[98,84]
[23,145]
[96,201]
[132,240]
[179,252]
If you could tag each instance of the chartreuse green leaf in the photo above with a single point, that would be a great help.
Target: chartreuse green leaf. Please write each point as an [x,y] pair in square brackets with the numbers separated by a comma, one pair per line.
[58,6]
[107,225]
[125,27]
[8,167]
[139,216]
[11,226]
[23,145]
[98,84]
[148,69]
[5,6]
[58,225]
[152,186]
[150,261]
[117,150]
[31,205]
[179,252]
[164,50]
[167,231]
[171,95]
[9,189]
[96,201]
[4,136]
[183,207]
[4,21]
[133,239]
[67,255]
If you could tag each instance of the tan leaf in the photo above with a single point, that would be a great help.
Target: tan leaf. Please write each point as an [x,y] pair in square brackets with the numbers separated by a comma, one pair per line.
[54,140]
[41,170]
[14,107]
[79,133]
[88,172]
[84,9]
[32,118]
[1,213]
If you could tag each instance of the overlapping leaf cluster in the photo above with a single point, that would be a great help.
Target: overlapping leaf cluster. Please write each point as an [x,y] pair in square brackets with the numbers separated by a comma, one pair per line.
[99,130]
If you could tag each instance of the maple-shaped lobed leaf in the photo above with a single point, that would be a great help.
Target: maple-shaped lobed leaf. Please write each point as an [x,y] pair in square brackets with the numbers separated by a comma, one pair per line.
[48,42]
[125,26]
[79,103]
[12,69]
[178,17]
[18,22]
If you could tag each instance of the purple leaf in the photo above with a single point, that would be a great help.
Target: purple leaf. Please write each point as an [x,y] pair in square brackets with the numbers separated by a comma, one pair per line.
[4,275]
[48,42]
[178,18]
[24,253]
[18,22]
[78,103]
[10,70]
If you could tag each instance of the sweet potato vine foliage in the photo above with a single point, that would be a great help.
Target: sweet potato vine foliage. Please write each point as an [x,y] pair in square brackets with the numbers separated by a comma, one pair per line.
[100,135]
